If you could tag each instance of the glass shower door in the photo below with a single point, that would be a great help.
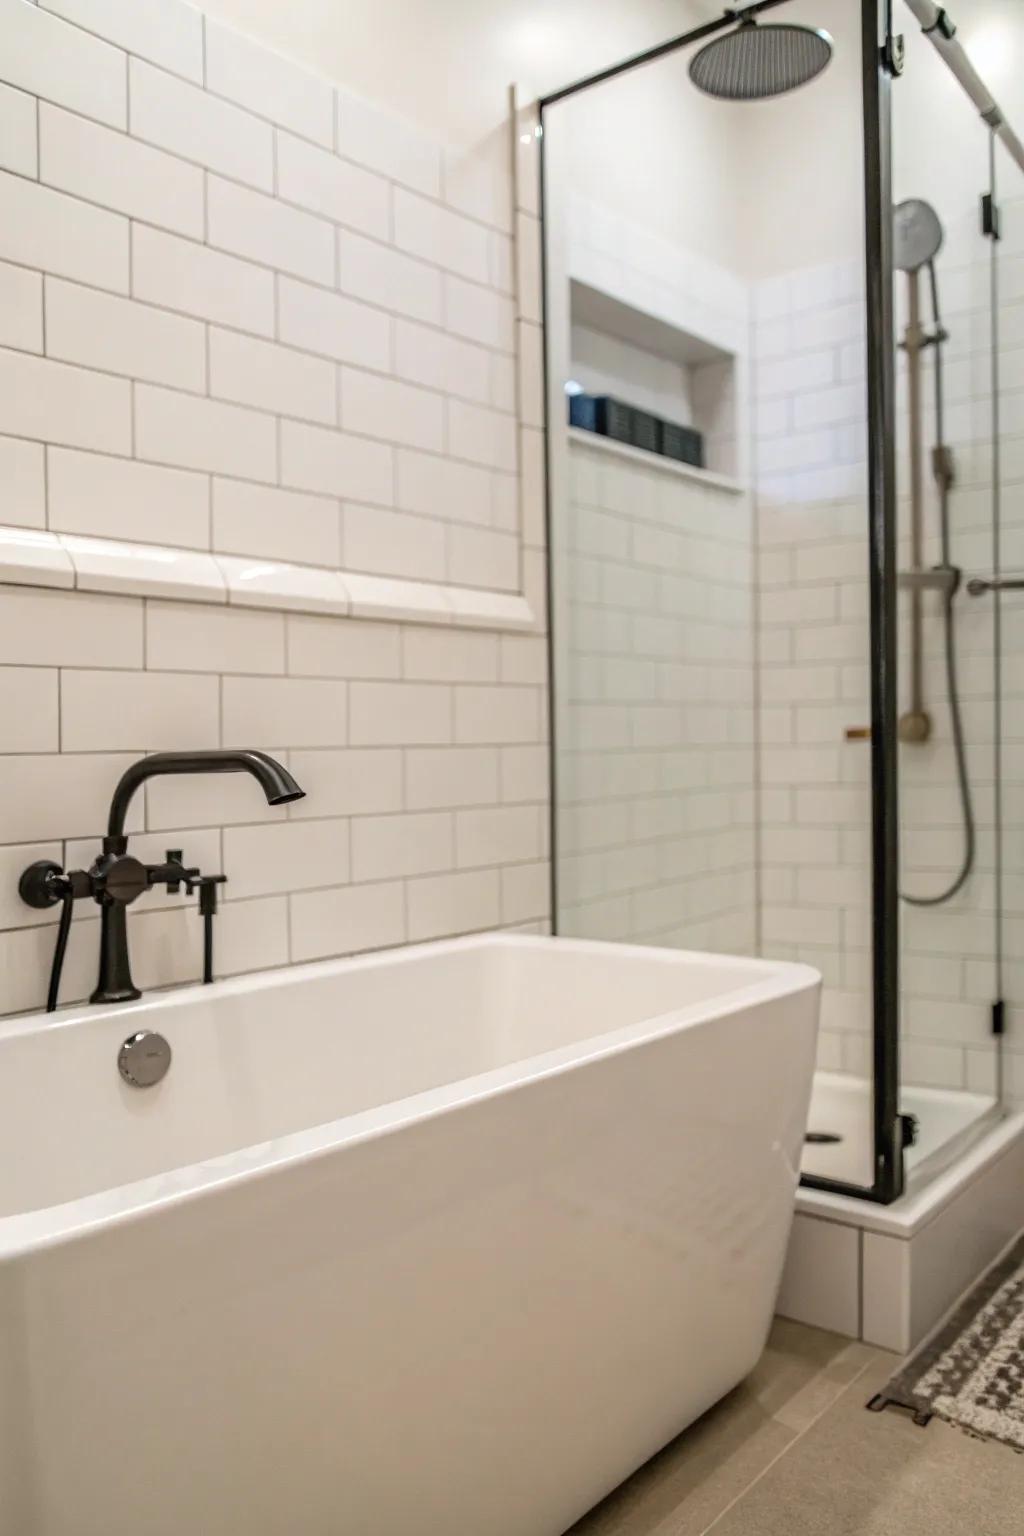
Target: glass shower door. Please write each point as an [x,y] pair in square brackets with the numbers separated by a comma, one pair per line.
[1005,590]
[711,628]
[950,650]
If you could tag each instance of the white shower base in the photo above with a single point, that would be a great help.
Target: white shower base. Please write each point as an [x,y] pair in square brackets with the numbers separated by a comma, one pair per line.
[843,1106]
[888,1274]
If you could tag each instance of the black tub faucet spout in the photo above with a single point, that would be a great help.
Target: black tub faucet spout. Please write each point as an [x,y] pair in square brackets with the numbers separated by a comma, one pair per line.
[116,878]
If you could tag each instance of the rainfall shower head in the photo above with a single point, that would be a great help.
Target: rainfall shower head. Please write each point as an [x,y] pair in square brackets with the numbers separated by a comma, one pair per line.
[757,62]
[917,235]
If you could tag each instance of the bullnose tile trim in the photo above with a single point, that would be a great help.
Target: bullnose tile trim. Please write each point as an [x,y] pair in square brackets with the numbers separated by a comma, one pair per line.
[37,558]
[32,557]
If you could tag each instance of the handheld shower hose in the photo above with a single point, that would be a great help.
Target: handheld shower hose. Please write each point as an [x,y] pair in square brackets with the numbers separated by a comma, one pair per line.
[942,460]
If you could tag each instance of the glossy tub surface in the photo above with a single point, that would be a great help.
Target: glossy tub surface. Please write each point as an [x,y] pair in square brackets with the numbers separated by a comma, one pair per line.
[440,1241]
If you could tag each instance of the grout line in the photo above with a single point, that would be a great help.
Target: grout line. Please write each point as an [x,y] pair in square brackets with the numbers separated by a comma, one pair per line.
[435,327]
[202,84]
[47,489]
[258,188]
[792,1444]
[175,232]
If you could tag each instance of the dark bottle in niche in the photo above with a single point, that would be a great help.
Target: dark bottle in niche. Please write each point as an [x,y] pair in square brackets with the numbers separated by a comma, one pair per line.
[682,443]
[583,412]
[646,431]
[624,423]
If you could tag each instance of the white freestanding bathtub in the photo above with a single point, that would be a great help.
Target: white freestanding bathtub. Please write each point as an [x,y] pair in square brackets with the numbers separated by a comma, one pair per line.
[439,1242]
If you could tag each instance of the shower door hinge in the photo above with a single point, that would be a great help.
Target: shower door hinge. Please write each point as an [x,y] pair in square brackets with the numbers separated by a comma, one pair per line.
[894,54]
[999,1017]
[991,220]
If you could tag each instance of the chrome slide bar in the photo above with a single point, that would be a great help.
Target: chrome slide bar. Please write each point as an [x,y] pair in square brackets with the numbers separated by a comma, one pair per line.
[937,25]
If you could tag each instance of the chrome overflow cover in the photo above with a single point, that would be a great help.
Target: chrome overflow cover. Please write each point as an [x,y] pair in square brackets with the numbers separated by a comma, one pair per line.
[144,1059]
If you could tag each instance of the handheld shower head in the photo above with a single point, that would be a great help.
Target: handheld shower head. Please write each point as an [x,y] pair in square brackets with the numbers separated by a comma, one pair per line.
[756,62]
[917,235]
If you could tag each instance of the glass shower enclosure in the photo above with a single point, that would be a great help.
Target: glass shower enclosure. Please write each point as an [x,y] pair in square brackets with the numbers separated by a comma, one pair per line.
[786,654]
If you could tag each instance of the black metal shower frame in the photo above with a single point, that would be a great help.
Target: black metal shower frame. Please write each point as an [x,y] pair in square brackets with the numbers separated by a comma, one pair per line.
[881,53]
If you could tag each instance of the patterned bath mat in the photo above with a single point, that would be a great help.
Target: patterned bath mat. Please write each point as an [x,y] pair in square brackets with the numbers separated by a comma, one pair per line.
[971,1373]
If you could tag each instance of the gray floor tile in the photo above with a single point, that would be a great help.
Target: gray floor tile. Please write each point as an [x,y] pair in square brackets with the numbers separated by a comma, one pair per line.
[856,1473]
[683,1489]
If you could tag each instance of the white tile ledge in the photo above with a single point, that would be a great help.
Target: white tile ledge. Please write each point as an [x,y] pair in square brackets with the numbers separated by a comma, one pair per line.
[32,557]
[38,558]
[657,461]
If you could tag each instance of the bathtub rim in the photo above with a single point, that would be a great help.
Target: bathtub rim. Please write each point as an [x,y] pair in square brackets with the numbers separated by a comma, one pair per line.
[55,1225]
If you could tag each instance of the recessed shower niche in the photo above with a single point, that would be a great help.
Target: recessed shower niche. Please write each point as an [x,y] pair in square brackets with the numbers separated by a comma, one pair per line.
[678,386]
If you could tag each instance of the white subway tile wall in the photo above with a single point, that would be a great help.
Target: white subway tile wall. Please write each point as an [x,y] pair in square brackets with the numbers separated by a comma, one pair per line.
[162,31]
[21,308]
[111,168]
[22,483]
[100,330]
[656,781]
[242,312]
[19,148]
[63,64]
[55,233]
[355,259]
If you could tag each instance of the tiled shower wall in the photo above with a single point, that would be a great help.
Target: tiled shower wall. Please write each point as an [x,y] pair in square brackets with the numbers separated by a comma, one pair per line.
[656,773]
[809,421]
[814,644]
[656,789]
[244,313]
